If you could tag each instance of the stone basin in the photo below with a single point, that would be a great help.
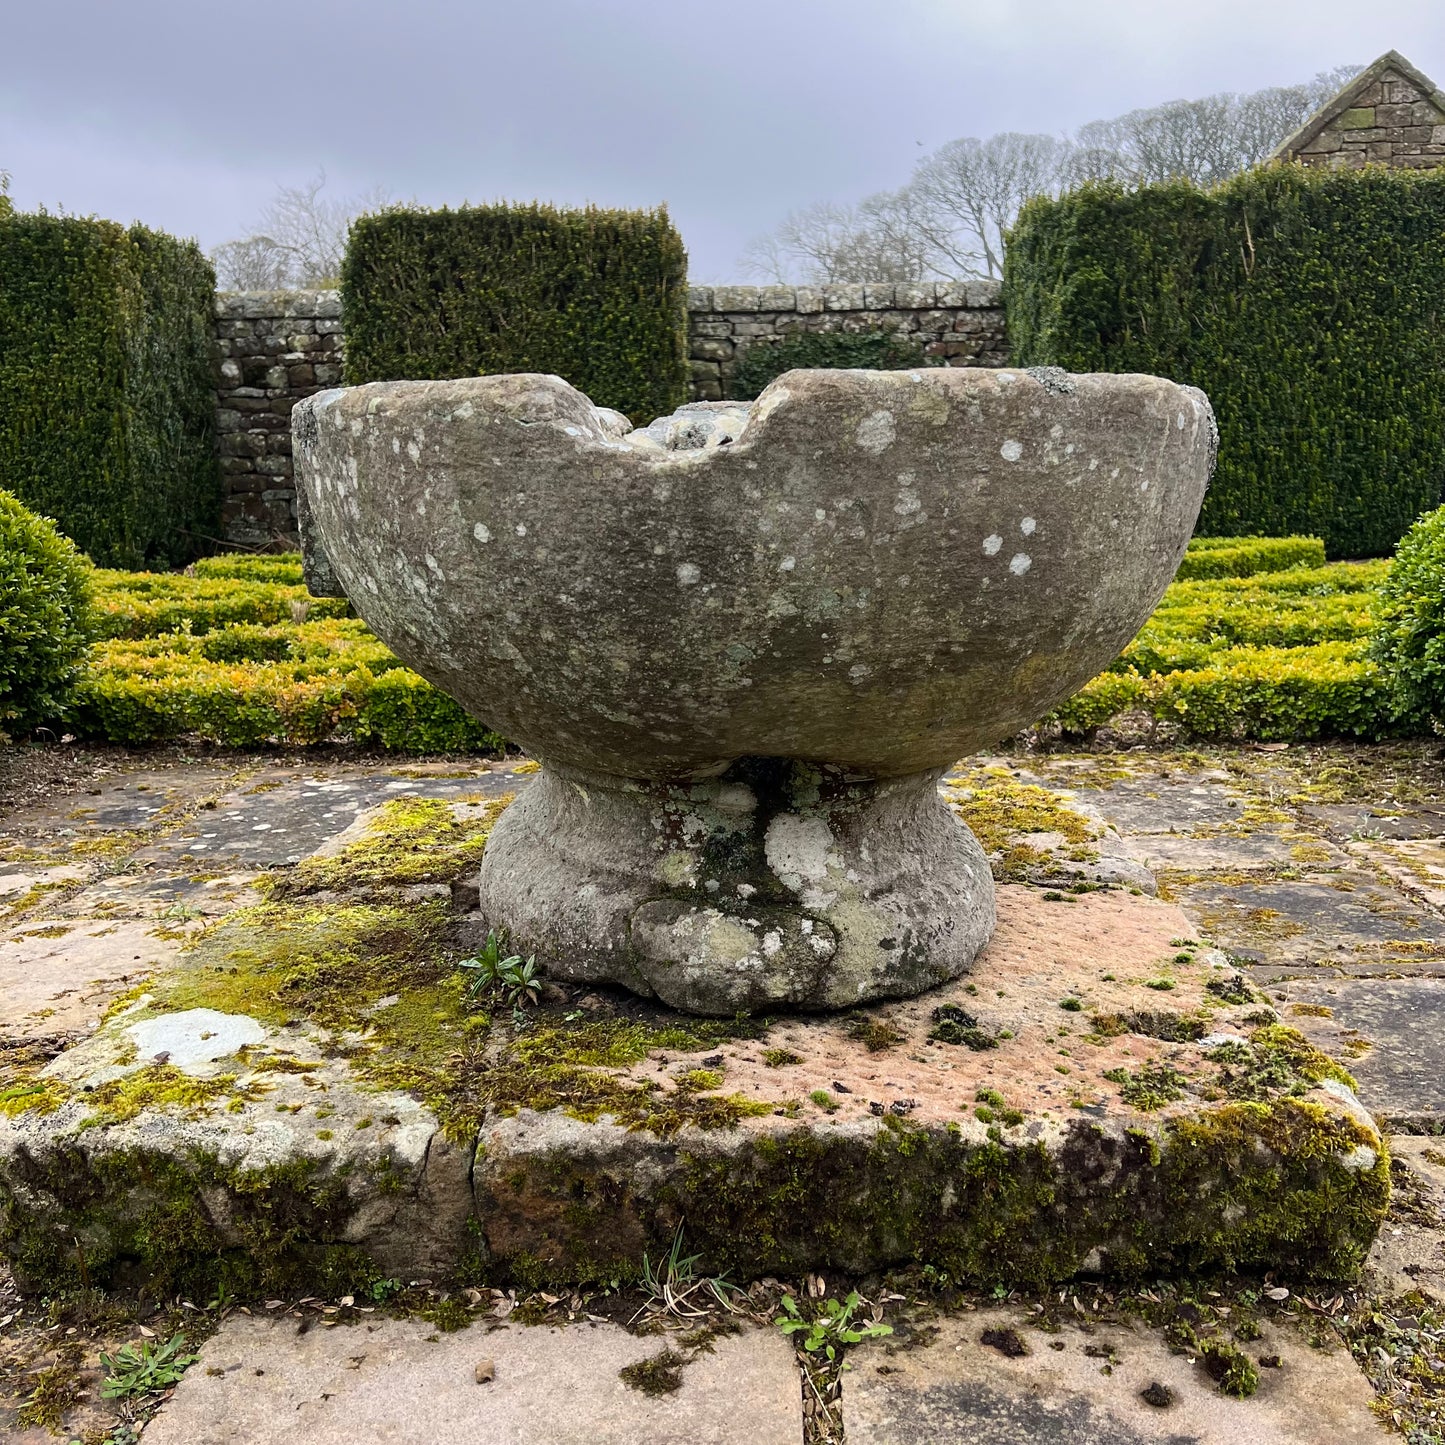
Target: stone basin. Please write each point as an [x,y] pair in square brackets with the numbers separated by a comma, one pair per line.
[746,641]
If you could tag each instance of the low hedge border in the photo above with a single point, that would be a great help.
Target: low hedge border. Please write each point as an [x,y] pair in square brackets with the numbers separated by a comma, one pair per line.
[248,704]
[1248,556]
[1270,694]
[221,654]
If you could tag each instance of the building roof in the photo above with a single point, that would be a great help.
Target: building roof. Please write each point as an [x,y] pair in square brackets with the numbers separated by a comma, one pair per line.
[1391,60]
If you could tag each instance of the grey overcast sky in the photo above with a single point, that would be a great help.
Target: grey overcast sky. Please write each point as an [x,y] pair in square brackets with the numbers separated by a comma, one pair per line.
[186,114]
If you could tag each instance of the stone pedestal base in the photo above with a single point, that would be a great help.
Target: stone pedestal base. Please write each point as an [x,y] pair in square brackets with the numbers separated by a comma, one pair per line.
[777,885]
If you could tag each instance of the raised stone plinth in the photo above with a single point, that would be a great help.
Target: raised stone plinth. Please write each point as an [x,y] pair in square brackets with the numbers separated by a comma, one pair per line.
[1100,1095]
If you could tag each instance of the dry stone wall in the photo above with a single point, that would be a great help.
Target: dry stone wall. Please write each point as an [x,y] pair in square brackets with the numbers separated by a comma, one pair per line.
[272,349]
[960,322]
[275,347]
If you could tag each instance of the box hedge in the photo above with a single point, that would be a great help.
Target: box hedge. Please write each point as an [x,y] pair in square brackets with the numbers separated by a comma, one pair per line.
[107,399]
[44,618]
[596,297]
[1248,556]
[1409,643]
[1305,302]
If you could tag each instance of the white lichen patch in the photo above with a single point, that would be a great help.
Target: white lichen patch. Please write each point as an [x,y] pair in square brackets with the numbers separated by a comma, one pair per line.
[1027,526]
[195,1036]
[1020,563]
[688,574]
[797,848]
[876,432]
[991,545]
[1011,450]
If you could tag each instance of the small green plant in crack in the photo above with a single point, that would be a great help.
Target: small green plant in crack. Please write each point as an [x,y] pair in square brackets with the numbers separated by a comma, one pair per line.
[145,1369]
[674,1286]
[830,1327]
[499,976]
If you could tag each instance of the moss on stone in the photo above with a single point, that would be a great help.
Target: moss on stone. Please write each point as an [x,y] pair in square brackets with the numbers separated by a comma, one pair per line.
[660,1374]
[410,840]
[136,1221]
[1151,1086]
[999,810]
[1282,1185]
[33,1096]
[1277,1059]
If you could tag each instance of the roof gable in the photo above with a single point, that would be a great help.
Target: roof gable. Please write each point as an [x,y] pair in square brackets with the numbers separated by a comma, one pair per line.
[1391,60]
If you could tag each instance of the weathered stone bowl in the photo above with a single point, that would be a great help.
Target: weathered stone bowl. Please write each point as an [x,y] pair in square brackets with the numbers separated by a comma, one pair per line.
[746,642]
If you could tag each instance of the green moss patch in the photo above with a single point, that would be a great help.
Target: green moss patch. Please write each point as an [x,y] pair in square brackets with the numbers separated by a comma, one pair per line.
[411,840]
[1291,1185]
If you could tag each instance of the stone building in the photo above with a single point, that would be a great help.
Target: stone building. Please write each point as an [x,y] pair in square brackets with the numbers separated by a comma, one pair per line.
[1390,114]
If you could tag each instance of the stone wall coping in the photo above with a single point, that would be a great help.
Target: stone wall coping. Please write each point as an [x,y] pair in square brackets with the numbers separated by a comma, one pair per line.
[275,305]
[976,295]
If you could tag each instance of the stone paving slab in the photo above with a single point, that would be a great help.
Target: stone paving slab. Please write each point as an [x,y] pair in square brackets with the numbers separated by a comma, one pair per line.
[1152,806]
[1310,922]
[132,799]
[282,816]
[958,1389]
[151,893]
[58,977]
[1186,853]
[260,1383]
[1402,1076]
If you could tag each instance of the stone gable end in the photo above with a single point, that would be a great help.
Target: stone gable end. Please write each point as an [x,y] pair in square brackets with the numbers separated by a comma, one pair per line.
[1390,115]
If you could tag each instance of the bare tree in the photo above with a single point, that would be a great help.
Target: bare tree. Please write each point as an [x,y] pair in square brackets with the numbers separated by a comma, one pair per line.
[1204,141]
[950,219]
[969,192]
[879,239]
[299,239]
[255,264]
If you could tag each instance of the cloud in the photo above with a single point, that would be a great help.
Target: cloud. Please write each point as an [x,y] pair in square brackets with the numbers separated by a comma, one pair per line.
[186,115]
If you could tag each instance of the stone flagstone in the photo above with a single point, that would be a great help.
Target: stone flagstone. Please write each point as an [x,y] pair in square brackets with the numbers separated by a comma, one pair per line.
[259,1382]
[958,1389]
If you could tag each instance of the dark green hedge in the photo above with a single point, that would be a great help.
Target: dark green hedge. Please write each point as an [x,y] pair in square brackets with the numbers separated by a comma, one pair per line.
[1307,303]
[596,297]
[107,399]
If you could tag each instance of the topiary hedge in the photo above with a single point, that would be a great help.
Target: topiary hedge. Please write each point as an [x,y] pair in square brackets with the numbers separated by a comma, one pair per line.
[596,297]
[1248,556]
[44,600]
[874,349]
[107,400]
[1409,640]
[1305,302]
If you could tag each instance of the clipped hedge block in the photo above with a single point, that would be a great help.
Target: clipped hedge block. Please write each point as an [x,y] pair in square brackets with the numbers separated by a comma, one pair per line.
[145,604]
[596,297]
[1305,302]
[107,401]
[1248,556]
